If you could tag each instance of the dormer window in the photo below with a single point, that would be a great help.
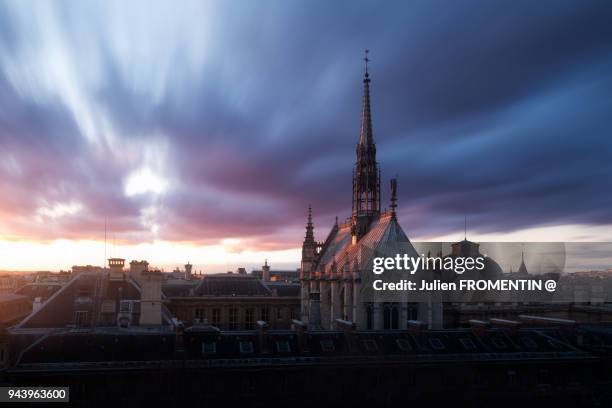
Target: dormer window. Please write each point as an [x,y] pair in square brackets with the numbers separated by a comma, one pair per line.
[327,345]
[246,347]
[209,347]
[282,346]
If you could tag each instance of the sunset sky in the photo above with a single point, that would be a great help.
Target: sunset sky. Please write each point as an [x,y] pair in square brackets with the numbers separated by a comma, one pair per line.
[201,131]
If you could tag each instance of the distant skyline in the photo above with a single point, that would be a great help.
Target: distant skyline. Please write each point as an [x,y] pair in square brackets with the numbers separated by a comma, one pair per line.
[200,131]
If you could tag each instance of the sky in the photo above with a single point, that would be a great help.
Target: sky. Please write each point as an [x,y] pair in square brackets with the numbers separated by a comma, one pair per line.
[200,131]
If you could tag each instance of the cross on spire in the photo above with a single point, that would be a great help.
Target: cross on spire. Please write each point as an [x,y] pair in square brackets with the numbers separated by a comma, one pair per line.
[366,59]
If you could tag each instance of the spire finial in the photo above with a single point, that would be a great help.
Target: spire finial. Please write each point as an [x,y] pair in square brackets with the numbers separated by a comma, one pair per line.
[366,59]
[465,227]
[309,227]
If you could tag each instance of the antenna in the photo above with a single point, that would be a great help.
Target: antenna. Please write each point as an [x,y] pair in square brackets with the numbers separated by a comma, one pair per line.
[104,263]
[465,227]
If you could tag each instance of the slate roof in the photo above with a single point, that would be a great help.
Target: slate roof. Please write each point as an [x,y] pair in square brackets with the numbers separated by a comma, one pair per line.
[178,287]
[113,347]
[42,290]
[384,235]
[284,288]
[58,310]
[231,285]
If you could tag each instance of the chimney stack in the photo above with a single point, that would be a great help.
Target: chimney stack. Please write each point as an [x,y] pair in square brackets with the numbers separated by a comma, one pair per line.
[265,272]
[188,268]
[151,298]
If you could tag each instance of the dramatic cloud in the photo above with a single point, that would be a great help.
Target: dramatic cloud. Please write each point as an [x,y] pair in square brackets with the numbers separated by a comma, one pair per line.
[197,122]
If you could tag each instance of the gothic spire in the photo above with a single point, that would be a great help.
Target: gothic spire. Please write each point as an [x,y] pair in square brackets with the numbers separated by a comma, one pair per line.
[366,138]
[309,227]
[366,177]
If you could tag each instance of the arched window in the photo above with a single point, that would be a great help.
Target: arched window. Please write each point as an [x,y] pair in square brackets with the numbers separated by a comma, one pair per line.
[387,317]
[391,317]
[394,318]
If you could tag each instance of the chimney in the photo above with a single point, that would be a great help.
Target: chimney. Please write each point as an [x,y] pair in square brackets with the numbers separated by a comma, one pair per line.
[151,298]
[137,268]
[116,268]
[265,272]
[37,304]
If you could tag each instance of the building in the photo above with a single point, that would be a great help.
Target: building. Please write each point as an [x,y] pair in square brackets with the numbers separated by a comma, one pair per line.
[332,271]
[106,298]
[234,301]
[530,362]
[13,308]
[277,275]
[9,283]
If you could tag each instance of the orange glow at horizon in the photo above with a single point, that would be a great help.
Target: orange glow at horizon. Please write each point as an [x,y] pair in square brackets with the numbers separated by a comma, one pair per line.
[229,253]
[63,254]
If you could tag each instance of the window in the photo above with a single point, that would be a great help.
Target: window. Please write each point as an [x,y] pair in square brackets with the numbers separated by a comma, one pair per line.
[292,316]
[246,347]
[403,344]
[327,345]
[216,317]
[199,314]
[265,314]
[387,318]
[413,312]
[209,347]
[279,313]
[529,342]
[81,318]
[369,317]
[467,344]
[233,319]
[370,345]
[249,319]
[283,346]
[436,344]
[83,292]
[499,343]
[125,306]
